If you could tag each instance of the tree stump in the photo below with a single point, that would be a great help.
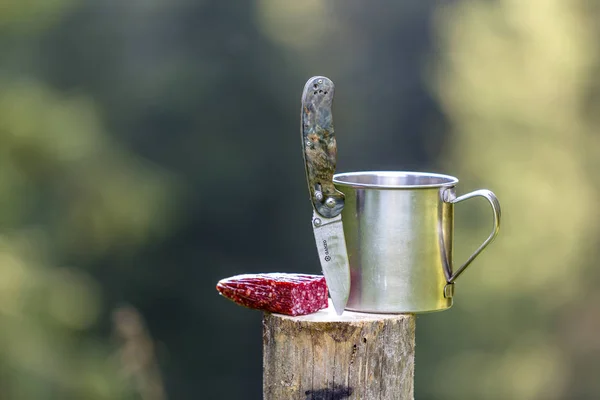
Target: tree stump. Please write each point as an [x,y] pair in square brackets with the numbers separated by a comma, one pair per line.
[330,357]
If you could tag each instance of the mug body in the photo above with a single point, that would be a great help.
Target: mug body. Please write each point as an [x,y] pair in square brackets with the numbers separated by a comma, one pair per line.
[399,232]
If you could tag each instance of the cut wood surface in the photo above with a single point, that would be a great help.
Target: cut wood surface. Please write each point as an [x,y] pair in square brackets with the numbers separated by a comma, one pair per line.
[326,356]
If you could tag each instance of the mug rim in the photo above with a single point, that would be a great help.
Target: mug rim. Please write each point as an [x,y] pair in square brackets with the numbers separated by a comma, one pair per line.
[447,180]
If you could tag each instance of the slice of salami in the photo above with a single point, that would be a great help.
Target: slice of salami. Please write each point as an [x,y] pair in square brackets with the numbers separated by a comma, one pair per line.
[283,293]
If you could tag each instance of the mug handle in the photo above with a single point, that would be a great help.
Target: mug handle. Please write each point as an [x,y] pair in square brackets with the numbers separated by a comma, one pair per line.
[493,200]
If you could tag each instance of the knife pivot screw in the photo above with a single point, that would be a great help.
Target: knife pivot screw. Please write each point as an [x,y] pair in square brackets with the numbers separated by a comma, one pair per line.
[318,195]
[330,202]
[317,222]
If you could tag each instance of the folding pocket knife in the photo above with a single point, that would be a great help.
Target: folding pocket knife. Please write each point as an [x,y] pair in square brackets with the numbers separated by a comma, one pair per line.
[320,156]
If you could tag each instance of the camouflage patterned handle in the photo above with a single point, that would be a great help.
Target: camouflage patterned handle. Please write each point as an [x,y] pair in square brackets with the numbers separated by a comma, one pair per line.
[320,149]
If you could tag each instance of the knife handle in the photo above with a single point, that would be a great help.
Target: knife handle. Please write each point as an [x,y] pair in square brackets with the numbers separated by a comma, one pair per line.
[319,145]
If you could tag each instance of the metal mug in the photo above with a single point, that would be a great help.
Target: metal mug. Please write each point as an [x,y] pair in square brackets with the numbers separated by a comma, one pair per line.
[399,228]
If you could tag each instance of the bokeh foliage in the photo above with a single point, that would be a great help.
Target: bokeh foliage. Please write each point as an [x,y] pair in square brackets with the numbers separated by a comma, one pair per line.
[67,191]
[150,148]
[519,85]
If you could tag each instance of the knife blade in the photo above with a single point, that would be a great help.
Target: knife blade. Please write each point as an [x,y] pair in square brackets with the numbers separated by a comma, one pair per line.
[320,157]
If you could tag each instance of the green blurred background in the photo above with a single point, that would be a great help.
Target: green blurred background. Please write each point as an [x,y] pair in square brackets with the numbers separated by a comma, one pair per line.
[149,148]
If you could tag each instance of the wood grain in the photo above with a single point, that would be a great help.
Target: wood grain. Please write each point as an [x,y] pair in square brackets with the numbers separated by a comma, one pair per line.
[326,356]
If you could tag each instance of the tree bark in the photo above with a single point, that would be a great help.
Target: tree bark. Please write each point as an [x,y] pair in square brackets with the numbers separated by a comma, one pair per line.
[325,356]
